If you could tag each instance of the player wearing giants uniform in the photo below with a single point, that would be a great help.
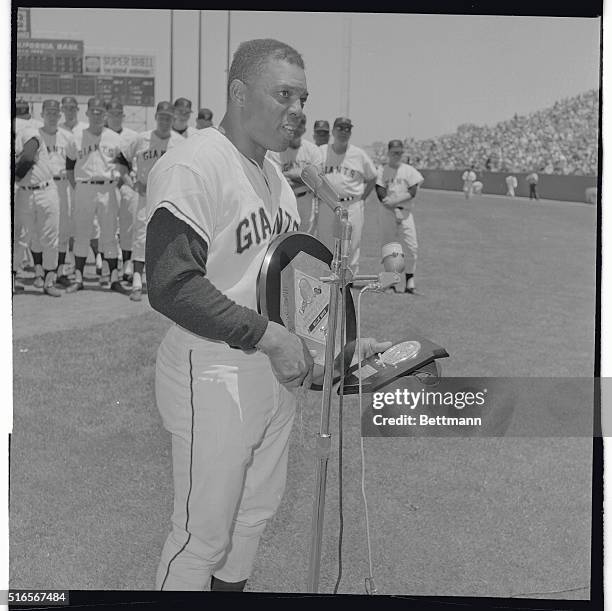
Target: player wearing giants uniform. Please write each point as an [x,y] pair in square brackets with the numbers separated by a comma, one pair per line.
[353,175]
[94,152]
[145,150]
[396,186]
[182,115]
[299,154]
[128,198]
[57,142]
[36,221]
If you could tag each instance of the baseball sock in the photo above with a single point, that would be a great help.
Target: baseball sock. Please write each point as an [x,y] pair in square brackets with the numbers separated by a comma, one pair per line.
[218,585]
[126,255]
[137,278]
[410,281]
[49,277]
[112,267]
[61,259]
[79,265]
[38,268]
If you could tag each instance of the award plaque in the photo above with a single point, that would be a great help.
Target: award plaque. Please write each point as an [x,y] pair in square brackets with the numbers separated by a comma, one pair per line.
[290,292]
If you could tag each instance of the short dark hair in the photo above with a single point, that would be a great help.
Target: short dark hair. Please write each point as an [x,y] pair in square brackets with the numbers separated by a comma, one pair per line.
[251,56]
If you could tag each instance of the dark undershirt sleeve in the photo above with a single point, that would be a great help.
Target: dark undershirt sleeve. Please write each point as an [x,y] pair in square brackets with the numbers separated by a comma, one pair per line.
[178,288]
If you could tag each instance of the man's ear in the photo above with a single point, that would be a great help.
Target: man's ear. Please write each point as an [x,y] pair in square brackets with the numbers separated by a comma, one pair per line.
[237,92]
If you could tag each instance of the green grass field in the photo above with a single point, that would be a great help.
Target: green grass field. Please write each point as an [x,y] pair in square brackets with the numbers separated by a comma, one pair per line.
[507,287]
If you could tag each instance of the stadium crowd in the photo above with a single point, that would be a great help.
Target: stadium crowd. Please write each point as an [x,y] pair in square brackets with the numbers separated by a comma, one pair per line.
[561,139]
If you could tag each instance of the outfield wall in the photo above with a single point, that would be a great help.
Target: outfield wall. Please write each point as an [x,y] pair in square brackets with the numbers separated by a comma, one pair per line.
[551,186]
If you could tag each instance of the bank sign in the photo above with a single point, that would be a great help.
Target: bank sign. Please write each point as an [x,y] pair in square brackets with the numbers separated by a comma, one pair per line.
[119,64]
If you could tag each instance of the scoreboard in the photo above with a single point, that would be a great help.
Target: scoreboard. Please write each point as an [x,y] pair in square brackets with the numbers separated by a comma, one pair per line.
[54,68]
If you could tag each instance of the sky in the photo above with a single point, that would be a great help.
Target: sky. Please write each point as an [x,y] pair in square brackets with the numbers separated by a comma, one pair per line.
[411,75]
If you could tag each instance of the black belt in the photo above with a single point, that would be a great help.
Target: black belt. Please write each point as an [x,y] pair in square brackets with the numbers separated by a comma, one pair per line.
[43,185]
[96,182]
[346,199]
[59,178]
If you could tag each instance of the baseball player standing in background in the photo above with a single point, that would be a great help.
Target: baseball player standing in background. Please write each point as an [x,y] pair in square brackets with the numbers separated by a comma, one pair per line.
[36,204]
[94,152]
[468,177]
[205,118]
[128,198]
[224,373]
[532,181]
[58,141]
[182,115]
[291,161]
[145,150]
[353,174]
[511,185]
[321,132]
[396,186]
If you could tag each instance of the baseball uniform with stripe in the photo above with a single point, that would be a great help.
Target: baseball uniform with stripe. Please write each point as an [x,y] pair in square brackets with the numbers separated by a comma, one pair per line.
[128,198]
[96,191]
[37,207]
[228,415]
[397,225]
[145,150]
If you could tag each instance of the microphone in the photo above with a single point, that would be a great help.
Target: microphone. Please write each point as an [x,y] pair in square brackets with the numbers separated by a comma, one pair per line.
[320,186]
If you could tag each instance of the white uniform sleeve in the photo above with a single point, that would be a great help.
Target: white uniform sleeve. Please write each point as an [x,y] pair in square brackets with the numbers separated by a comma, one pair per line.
[185,194]
[379,177]
[128,150]
[274,157]
[71,148]
[414,177]
[369,169]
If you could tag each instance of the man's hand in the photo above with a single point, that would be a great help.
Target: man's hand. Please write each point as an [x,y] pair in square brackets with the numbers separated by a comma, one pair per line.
[289,356]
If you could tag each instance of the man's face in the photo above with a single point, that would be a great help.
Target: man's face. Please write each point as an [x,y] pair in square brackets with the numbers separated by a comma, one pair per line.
[70,112]
[96,117]
[321,136]
[181,117]
[342,133]
[51,117]
[115,119]
[164,122]
[273,105]
[395,154]
[203,123]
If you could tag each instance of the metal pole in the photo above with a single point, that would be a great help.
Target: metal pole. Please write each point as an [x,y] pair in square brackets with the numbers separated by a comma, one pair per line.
[227,58]
[171,56]
[199,59]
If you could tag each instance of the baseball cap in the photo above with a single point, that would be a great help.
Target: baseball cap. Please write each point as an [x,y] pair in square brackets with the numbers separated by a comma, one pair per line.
[205,113]
[164,108]
[393,143]
[321,126]
[54,104]
[343,121]
[115,104]
[21,106]
[182,104]
[96,104]
[69,101]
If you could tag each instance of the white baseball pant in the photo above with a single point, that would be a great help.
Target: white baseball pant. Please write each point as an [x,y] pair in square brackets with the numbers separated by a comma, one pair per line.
[391,229]
[37,213]
[128,201]
[101,201]
[230,422]
[140,229]
[66,227]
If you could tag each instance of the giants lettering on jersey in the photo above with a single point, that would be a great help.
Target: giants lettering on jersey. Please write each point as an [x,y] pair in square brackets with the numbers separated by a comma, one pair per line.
[152,154]
[56,148]
[84,152]
[256,227]
[338,169]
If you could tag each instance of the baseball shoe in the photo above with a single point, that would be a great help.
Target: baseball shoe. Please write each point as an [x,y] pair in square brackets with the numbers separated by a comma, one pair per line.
[74,287]
[52,291]
[136,295]
[117,287]
[39,282]
[63,281]
[127,278]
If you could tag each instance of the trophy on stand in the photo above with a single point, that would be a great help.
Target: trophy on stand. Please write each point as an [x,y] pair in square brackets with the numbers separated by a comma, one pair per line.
[303,286]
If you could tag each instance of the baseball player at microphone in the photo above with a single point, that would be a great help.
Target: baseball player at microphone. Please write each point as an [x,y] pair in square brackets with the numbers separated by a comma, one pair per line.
[300,153]
[353,175]
[396,186]
[225,374]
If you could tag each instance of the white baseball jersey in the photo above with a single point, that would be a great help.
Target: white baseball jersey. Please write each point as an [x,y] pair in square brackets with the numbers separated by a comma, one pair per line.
[94,155]
[468,176]
[146,149]
[398,180]
[190,131]
[348,172]
[57,145]
[307,153]
[511,181]
[228,200]
[41,171]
